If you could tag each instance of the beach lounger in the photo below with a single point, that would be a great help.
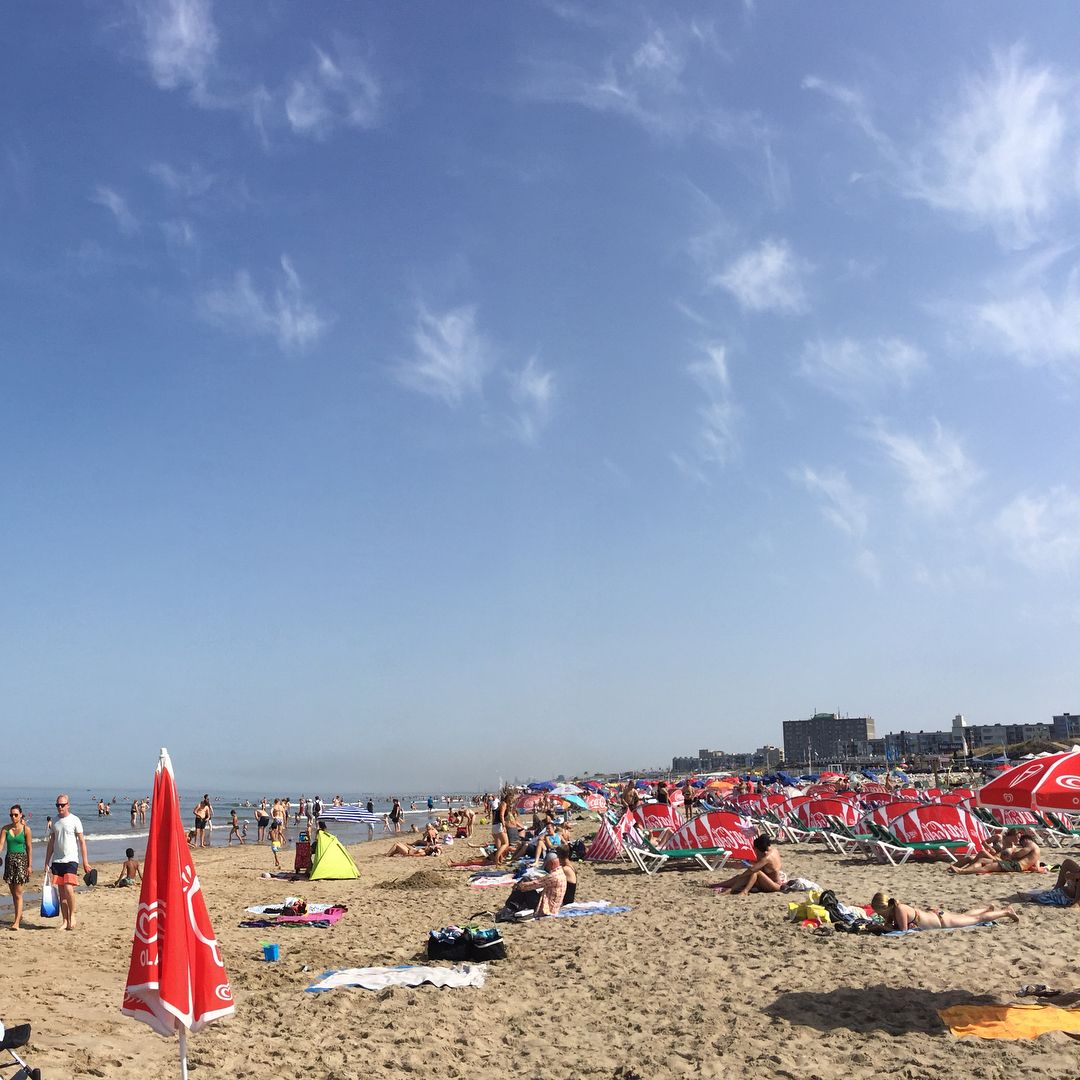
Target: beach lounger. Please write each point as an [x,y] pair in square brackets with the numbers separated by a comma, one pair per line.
[1059,828]
[846,841]
[650,859]
[893,847]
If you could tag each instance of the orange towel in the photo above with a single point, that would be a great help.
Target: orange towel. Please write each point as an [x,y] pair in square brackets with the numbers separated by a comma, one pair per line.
[1009,1021]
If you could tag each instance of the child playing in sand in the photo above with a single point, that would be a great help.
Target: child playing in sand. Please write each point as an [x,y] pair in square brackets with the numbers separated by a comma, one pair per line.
[130,874]
[277,838]
[897,916]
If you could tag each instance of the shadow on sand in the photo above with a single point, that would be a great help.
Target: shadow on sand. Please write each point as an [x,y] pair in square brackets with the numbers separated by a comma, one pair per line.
[894,1010]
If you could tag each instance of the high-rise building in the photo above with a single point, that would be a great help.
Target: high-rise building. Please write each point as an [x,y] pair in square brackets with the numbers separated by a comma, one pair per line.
[1066,727]
[827,737]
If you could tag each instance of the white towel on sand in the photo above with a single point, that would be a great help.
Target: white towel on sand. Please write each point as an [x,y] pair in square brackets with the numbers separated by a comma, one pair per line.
[379,978]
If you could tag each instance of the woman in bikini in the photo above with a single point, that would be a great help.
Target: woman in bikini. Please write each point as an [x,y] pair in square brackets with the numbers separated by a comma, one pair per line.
[897,916]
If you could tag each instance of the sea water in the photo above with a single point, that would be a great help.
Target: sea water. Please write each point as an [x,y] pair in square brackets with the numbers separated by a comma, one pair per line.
[107,836]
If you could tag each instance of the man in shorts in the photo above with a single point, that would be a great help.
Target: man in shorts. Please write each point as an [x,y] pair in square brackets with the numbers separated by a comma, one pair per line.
[66,844]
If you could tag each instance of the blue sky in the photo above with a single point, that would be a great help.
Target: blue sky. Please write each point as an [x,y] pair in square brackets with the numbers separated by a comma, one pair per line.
[412,395]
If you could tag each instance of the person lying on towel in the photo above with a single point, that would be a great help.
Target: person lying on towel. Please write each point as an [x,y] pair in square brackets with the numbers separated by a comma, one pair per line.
[897,916]
[428,844]
[1017,858]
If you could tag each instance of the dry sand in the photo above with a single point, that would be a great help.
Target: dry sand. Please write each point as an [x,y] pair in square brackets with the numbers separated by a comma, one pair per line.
[687,984]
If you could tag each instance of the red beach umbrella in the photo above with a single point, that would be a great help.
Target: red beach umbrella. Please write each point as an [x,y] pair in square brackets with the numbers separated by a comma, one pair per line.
[176,980]
[1046,783]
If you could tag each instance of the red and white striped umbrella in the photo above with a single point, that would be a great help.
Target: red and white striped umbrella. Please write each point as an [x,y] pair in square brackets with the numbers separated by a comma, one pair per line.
[1045,783]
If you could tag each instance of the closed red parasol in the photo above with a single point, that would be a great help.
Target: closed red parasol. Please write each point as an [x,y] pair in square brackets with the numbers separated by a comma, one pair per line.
[1044,783]
[176,980]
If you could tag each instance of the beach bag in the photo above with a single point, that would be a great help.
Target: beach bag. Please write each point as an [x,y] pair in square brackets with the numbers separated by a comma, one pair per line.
[485,945]
[449,943]
[50,901]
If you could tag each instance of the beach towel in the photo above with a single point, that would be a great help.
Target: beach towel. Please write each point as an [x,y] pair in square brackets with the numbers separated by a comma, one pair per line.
[935,929]
[276,909]
[487,881]
[318,919]
[796,884]
[589,907]
[1009,1021]
[1054,897]
[380,978]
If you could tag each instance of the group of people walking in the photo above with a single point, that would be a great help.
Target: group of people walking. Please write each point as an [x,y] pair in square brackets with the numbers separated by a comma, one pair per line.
[64,850]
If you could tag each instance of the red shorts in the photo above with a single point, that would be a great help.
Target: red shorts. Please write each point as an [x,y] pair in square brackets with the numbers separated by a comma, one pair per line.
[64,873]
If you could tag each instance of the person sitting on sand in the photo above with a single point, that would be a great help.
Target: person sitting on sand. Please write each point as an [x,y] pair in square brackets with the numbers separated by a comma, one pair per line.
[765,875]
[569,872]
[1065,892]
[130,874]
[427,845]
[551,839]
[897,916]
[1018,858]
[544,895]
[1000,845]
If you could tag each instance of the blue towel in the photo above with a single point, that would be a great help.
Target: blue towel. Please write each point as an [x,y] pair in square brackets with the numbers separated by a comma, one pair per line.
[571,911]
[927,929]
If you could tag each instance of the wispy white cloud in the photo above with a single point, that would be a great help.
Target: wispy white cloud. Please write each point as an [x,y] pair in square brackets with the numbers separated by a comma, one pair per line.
[768,277]
[938,475]
[179,234]
[452,360]
[532,390]
[334,91]
[189,183]
[997,153]
[1034,323]
[1002,153]
[854,103]
[717,440]
[1042,531]
[653,79]
[841,505]
[860,370]
[451,357]
[117,205]
[284,314]
[180,42]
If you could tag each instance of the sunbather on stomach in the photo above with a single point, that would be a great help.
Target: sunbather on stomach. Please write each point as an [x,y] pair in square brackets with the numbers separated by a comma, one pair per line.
[1013,859]
[765,875]
[897,916]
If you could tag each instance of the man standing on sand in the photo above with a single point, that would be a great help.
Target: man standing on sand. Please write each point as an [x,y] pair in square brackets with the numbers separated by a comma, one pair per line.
[202,817]
[67,842]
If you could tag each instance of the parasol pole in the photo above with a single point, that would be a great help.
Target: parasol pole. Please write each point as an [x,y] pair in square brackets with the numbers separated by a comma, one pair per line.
[183,1053]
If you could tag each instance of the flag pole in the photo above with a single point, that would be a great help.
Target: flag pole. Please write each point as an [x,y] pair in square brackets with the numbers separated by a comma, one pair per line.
[183,1053]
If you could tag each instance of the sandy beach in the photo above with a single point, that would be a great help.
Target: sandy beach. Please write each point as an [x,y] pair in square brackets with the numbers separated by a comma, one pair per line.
[688,983]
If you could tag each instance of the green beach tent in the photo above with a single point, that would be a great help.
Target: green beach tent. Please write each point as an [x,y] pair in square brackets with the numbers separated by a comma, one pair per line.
[330,861]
